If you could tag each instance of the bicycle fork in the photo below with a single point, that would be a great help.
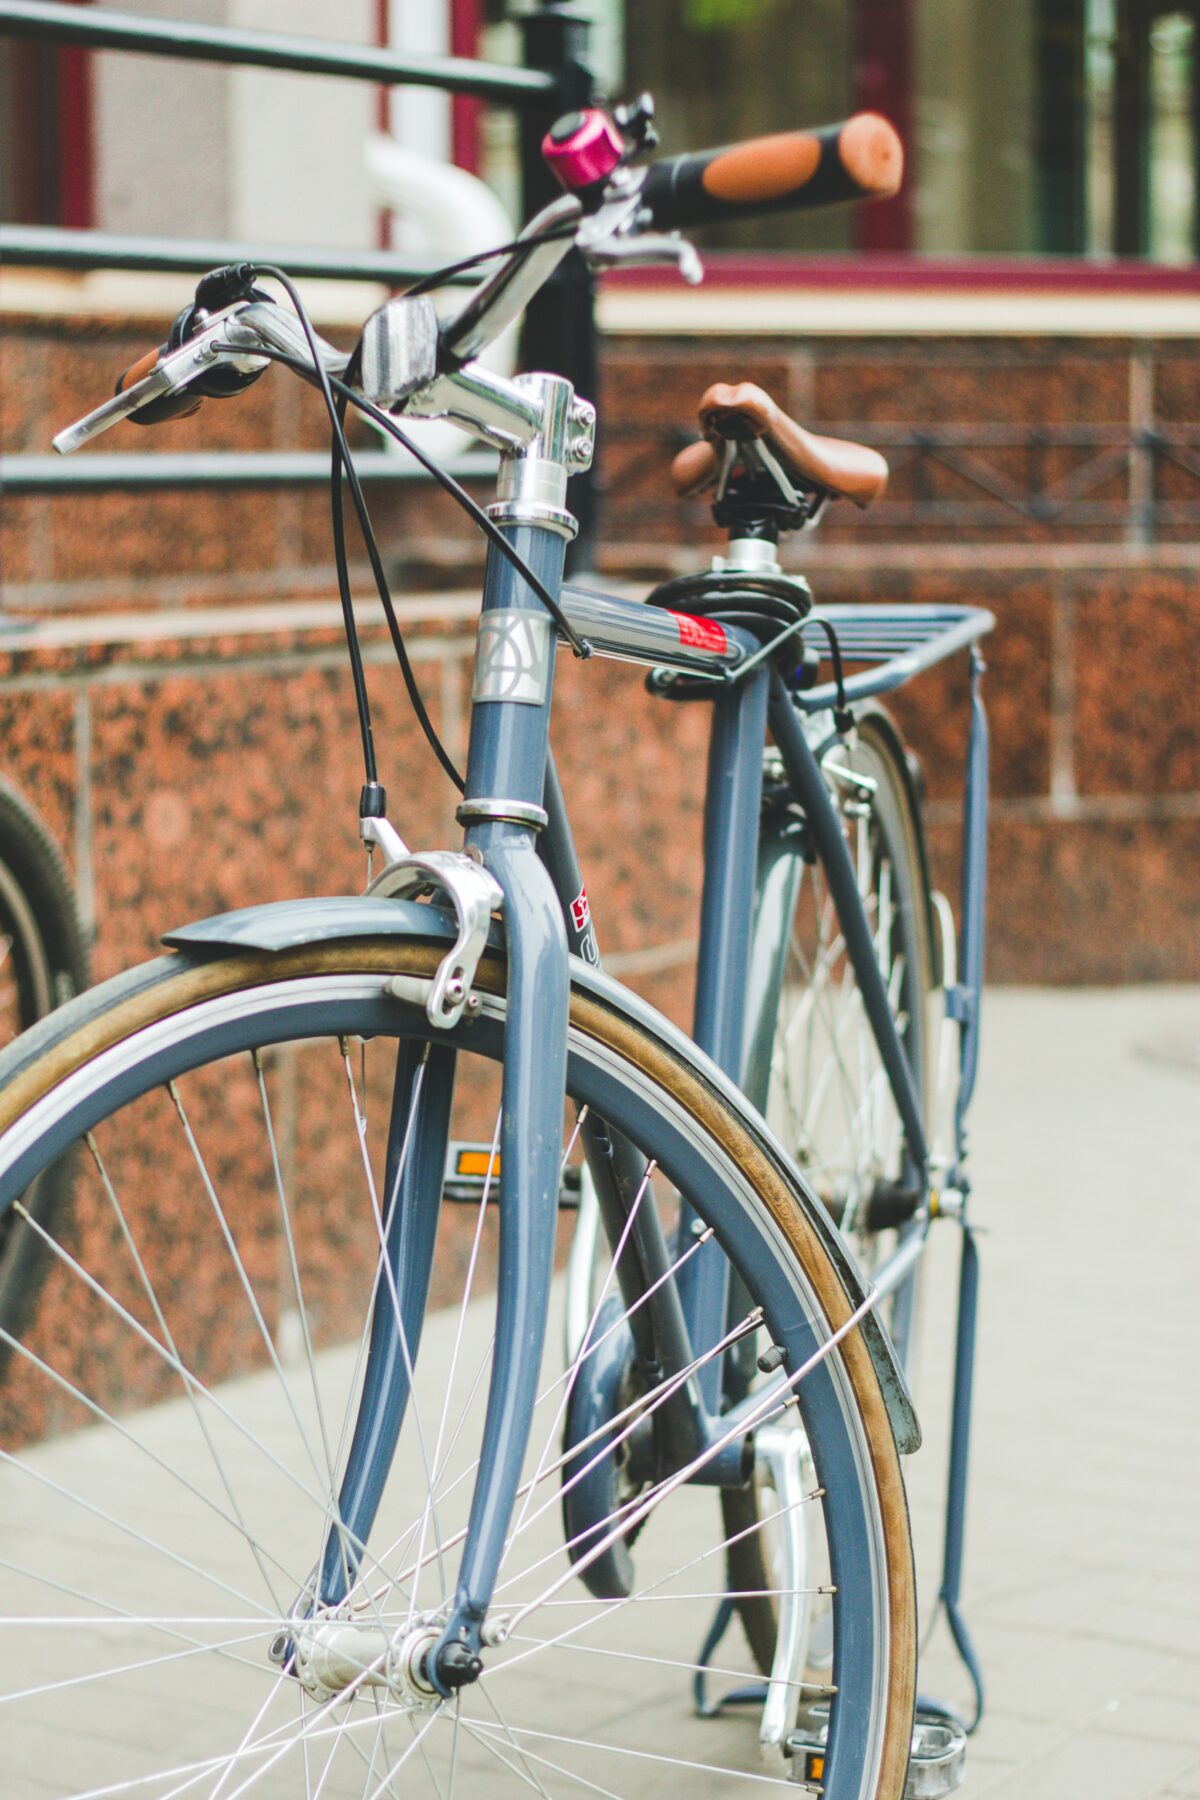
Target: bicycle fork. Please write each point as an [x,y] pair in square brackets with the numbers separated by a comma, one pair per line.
[502,812]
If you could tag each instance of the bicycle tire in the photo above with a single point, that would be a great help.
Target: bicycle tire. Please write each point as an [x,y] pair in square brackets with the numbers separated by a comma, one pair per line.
[43,962]
[865,1141]
[209,1042]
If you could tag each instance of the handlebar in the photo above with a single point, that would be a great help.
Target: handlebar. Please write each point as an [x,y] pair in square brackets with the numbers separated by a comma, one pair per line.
[632,214]
[860,159]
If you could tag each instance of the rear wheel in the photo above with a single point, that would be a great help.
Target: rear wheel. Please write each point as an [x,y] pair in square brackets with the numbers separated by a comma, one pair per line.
[188,1393]
[829,1100]
[827,1094]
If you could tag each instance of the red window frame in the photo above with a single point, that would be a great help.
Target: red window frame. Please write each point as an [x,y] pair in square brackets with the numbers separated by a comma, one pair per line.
[52,178]
[465,20]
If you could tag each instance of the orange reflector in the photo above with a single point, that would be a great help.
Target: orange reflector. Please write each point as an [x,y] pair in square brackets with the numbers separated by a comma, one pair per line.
[478,1162]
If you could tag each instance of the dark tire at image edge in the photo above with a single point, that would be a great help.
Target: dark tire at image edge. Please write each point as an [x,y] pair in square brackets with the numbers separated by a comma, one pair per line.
[43,962]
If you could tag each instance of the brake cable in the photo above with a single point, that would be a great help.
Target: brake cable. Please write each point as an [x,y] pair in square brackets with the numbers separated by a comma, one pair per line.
[438,277]
[373,800]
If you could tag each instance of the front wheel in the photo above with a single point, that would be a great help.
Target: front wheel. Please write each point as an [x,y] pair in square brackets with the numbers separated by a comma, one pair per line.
[179,1418]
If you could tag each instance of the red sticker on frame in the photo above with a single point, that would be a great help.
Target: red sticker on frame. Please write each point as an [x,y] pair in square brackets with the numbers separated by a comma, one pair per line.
[701,634]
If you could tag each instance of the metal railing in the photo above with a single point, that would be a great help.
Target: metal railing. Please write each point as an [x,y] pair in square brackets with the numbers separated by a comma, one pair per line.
[555,79]
[1138,484]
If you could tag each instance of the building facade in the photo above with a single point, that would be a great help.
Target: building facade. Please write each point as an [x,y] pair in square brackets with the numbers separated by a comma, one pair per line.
[1019,331]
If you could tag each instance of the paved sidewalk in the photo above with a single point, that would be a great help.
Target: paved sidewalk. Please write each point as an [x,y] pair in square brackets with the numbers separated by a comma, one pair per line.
[1083,1546]
[1083,1543]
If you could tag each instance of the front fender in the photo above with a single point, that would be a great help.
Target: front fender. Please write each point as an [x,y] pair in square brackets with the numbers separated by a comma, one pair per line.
[287,924]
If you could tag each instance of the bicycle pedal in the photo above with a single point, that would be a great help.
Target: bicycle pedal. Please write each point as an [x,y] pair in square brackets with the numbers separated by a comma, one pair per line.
[937,1762]
[471,1167]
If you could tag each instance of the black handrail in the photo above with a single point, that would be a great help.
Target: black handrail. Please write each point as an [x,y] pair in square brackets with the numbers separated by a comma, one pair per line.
[57,247]
[34,474]
[560,323]
[98,29]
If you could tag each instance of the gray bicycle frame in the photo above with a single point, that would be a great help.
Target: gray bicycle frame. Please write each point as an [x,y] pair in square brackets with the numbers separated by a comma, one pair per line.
[512,799]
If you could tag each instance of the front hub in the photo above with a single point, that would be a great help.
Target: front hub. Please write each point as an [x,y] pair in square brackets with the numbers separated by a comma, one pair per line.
[333,1656]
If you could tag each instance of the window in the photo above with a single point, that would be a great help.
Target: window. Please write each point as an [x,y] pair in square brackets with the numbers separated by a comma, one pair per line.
[45,134]
[1060,127]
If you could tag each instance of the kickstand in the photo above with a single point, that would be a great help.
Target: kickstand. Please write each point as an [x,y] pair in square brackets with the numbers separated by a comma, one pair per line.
[753,1695]
[956,1483]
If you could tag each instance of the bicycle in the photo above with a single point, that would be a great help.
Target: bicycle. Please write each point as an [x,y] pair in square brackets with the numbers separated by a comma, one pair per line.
[371,1541]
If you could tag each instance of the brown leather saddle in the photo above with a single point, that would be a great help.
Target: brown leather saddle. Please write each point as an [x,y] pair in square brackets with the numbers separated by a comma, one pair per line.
[743,413]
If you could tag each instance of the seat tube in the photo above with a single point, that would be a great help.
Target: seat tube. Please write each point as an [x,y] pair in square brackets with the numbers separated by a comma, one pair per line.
[733,802]
[503,813]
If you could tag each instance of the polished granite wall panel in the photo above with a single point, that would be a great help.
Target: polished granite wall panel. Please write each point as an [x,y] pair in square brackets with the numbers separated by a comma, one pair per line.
[998,394]
[1017,685]
[199,771]
[1090,668]
[1136,679]
[633,770]
[202,534]
[985,405]
[1085,901]
[38,733]
[214,790]
[23,523]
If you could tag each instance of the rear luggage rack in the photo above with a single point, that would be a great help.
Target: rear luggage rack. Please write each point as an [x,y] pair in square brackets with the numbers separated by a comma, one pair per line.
[900,640]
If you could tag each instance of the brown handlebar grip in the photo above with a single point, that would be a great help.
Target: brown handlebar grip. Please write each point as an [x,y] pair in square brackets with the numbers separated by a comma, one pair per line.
[139,370]
[860,159]
[156,412]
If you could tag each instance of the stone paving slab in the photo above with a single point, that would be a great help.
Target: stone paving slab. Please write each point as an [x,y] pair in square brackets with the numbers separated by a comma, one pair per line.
[1083,1544]
[1083,1541]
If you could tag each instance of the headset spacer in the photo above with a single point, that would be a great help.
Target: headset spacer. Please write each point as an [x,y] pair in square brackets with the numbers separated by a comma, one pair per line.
[504,812]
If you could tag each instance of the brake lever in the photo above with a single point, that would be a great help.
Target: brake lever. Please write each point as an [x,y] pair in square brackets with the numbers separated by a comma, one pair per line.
[649,247]
[610,235]
[169,376]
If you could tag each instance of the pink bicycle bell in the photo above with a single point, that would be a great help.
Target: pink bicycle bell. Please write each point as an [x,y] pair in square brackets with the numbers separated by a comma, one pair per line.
[583,149]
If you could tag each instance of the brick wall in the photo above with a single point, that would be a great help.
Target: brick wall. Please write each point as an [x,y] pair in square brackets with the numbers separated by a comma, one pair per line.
[182,714]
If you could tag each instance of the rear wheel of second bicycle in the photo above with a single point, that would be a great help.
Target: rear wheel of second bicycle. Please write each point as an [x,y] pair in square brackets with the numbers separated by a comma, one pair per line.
[188,1395]
[828,1097]
[43,962]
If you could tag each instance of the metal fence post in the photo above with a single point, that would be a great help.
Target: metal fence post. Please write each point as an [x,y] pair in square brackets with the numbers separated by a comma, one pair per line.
[559,334]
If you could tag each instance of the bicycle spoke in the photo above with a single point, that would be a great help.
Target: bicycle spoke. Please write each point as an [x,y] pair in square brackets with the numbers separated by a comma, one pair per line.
[573,1371]
[294,1265]
[624,1750]
[261,1554]
[172,1361]
[256,1549]
[247,1286]
[486,1740]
